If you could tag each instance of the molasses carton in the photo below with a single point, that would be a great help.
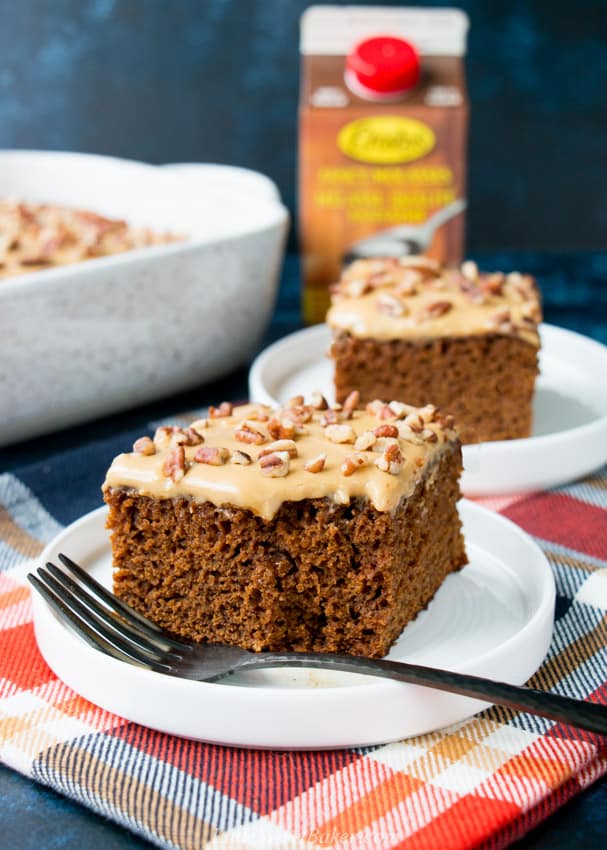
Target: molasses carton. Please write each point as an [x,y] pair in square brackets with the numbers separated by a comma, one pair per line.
[382,145]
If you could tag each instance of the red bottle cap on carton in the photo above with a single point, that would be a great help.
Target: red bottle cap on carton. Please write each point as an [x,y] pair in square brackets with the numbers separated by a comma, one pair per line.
[385,65]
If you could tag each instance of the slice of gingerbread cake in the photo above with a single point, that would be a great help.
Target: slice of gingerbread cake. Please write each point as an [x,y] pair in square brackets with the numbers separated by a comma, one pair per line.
[304,528]
[461,339]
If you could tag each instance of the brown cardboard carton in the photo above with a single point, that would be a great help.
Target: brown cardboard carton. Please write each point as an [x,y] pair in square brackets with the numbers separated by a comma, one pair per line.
[382,150]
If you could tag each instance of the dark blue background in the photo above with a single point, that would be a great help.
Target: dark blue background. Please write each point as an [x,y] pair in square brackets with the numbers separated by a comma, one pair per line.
[217,80]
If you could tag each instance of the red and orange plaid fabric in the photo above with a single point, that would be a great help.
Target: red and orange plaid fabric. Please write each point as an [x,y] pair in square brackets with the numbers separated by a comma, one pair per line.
[483,782]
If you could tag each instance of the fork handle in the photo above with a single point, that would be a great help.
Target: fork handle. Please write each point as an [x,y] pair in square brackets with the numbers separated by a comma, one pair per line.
[585,715]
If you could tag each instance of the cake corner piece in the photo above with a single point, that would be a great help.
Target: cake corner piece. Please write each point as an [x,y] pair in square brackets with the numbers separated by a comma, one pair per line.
[463,339]
[310,527]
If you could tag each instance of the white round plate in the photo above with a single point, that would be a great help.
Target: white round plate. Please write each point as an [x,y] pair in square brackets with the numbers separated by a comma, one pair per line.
[569,409]
[493,618]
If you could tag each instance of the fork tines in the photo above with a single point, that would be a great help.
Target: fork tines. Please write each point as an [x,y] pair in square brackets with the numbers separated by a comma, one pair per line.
[103,621]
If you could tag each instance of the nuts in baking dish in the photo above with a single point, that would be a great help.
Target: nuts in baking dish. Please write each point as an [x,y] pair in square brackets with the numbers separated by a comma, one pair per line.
[39,236]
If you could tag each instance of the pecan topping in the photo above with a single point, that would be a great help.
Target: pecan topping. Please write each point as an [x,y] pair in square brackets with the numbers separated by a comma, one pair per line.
[212,455]
[329,417]
[240,458]
[390,305]
[386,412]
[224,409]
[340,433]
[174,465]
[408,283]
[355,288]
[400,409]
[415,422]
[365,441]
[163,435]
[501,321]
[144,446]
[386,431]
[281,429]
[318,401]
[315,464]
[296,401]
[420,263]
[279,446]
[446,421]
[374,407]
[470,270]
[493,283]
[247,434]
[187,437]
[352,463]
[391,460]
[350,404]
[275,465]
[434,310]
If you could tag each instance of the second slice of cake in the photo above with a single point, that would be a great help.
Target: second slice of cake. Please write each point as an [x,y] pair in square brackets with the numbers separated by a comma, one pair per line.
[466,341]
[302,528]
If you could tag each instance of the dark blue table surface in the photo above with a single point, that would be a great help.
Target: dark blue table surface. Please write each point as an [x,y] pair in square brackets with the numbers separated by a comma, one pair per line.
[575,296]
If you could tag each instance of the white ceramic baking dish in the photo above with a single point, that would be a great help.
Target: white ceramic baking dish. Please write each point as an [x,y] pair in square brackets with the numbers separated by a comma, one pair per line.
[80,341]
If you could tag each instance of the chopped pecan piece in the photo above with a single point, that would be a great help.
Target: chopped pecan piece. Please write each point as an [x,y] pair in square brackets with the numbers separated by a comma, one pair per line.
[470,270]
[315,464]
[296,401]
[493,283]
[174,465]
[212,455]
[318,401]
[350,404]
[352,463]
[187,437]
[279,446]
[340,433]
[386,412]
[374,407]
[240,458]
[391,460]
[224,409]
[390,305]
[247,434]
[356,288]
[386,430]
[434,310]
[400,409]
[275,465]
[144,446]
[415,422]
[329,417]
[281,429]
[365,441]
[421,263]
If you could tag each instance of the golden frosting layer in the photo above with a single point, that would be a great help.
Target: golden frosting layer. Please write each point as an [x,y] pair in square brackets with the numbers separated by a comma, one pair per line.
[257,458]
[414,298]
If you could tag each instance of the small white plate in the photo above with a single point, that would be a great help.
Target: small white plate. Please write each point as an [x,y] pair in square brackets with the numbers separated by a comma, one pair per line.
[569,410]
[493,618]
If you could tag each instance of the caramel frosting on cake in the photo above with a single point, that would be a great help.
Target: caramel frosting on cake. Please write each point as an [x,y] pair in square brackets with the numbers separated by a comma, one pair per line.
[39,236]
[415,298]
[256,458]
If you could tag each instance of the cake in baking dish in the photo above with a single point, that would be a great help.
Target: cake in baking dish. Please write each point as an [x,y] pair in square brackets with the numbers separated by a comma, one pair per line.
[308,527]
[461,339]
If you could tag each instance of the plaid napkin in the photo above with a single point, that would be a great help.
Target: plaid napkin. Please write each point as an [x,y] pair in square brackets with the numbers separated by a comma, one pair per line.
[484,782]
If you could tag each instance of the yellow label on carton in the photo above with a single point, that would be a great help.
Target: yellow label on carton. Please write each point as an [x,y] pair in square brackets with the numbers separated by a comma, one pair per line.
[386,139]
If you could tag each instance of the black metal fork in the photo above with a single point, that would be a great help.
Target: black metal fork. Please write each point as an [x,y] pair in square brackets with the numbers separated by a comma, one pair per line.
[109,625]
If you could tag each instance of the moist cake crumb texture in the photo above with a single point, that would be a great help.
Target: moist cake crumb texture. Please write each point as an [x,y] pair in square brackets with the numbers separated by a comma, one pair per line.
[310,527]
[465,340]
